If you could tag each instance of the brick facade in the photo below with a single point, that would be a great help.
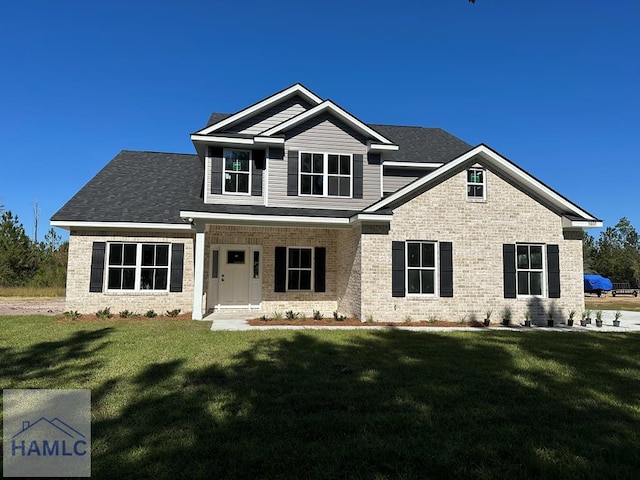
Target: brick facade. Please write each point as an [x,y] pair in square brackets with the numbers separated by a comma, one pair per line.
[79,269]
[477,231]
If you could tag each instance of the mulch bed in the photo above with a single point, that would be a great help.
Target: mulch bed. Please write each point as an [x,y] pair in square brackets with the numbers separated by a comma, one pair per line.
[140,318]
[354,322]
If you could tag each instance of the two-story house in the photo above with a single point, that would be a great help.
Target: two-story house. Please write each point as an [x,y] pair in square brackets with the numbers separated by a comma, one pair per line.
[294,203]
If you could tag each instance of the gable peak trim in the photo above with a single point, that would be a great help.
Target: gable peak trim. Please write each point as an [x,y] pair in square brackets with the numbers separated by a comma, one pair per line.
[295,89]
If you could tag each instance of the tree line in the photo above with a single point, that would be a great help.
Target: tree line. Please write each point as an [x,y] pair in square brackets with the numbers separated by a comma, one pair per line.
[28,263]
[615,254]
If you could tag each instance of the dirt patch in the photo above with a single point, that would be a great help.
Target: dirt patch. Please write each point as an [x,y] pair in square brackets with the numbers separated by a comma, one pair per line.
[353,322]
[31,305]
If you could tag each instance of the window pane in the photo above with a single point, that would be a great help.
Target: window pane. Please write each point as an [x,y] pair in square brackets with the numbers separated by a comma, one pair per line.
[428,285]
[305,280]
[235,257]
[256,264]
[230,182]
[115,254]
[318,163]
[428,255]
[333,164]
[128,278]
[305,184]
[317,185]
[305,162]
[523,283]
[345,186]
[413,254]
[243,164]
[536,283]
[294,258]
[162,255]
[413,277]
[146,279]
[214,264]
[345,164]
[305,258]
[536,256]
[115,278]
[148,254]
[523,256]
[244,156]
[475,191]
[243,182]
[130,254]
[333,186]
[294,280]
[161,278]
[228,164]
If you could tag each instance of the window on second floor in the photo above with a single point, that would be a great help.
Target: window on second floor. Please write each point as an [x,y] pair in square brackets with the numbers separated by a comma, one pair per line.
[476,184]
[326,174]
[237,171]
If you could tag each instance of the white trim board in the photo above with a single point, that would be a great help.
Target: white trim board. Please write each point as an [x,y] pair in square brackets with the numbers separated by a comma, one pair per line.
[496,160]
[120,225]
[262,105]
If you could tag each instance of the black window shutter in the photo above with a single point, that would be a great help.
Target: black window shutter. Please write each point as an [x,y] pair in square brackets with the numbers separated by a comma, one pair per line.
[553,266]
[373,158]
[357,175]
[292,173]
[177,266]
[97,266]
[509,269]
[319,275]
[397,269]
[216,169]
[256,172]
[446,269]
[280,274]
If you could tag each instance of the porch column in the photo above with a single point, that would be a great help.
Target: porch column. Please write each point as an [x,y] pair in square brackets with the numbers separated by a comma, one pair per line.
[198,269]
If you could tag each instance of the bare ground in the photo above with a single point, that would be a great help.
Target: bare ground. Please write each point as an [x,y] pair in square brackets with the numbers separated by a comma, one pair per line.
[31,305]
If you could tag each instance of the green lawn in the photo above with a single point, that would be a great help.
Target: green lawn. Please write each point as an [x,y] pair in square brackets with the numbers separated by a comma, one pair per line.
[174,400]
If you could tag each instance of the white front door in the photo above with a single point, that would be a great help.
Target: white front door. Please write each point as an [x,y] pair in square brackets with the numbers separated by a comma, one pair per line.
[234,275]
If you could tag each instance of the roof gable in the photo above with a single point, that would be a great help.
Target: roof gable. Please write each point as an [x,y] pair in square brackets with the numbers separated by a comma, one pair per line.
[244,114]
[509,170]
[329,107]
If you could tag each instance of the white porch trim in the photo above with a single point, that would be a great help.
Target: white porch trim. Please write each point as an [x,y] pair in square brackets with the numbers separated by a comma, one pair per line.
[198,272]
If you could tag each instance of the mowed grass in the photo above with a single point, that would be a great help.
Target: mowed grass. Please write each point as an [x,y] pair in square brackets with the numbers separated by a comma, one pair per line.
[32,291]
[170,399]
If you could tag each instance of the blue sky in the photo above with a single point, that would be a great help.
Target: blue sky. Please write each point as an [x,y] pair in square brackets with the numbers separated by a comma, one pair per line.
[552,85]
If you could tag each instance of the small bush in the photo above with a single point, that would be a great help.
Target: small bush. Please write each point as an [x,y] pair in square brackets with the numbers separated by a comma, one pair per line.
[463,319]
[277,316]
[72,314]
[369,318]
[339,318]
[408,319]
[264,318]
[150,314]
[104,313]
[173,313]
[125,314]
[317,315]
[291,315]
[432,319]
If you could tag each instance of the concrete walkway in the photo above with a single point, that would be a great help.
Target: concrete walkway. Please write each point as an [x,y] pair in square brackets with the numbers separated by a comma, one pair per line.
[236,320]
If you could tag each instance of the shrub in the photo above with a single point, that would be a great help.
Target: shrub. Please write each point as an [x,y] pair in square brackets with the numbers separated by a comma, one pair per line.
[339,318]
[150,314]
[432,319]
[369,318]
[264,318]
[173,313]
[291,315]
[104,313]
[277,316]
[72,314]
[125,314]
[317,315]
[408,319]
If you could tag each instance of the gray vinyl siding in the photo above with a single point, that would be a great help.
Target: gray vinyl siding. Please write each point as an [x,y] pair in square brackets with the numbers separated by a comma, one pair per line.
[228,199]
[396,178]
[271,117]
[323,134]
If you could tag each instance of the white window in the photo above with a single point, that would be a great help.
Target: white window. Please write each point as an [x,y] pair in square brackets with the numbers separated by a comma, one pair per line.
[476,184]
[138,266]
[421,268]
[530,270]
[299,268]
[326,174]
[237,171]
